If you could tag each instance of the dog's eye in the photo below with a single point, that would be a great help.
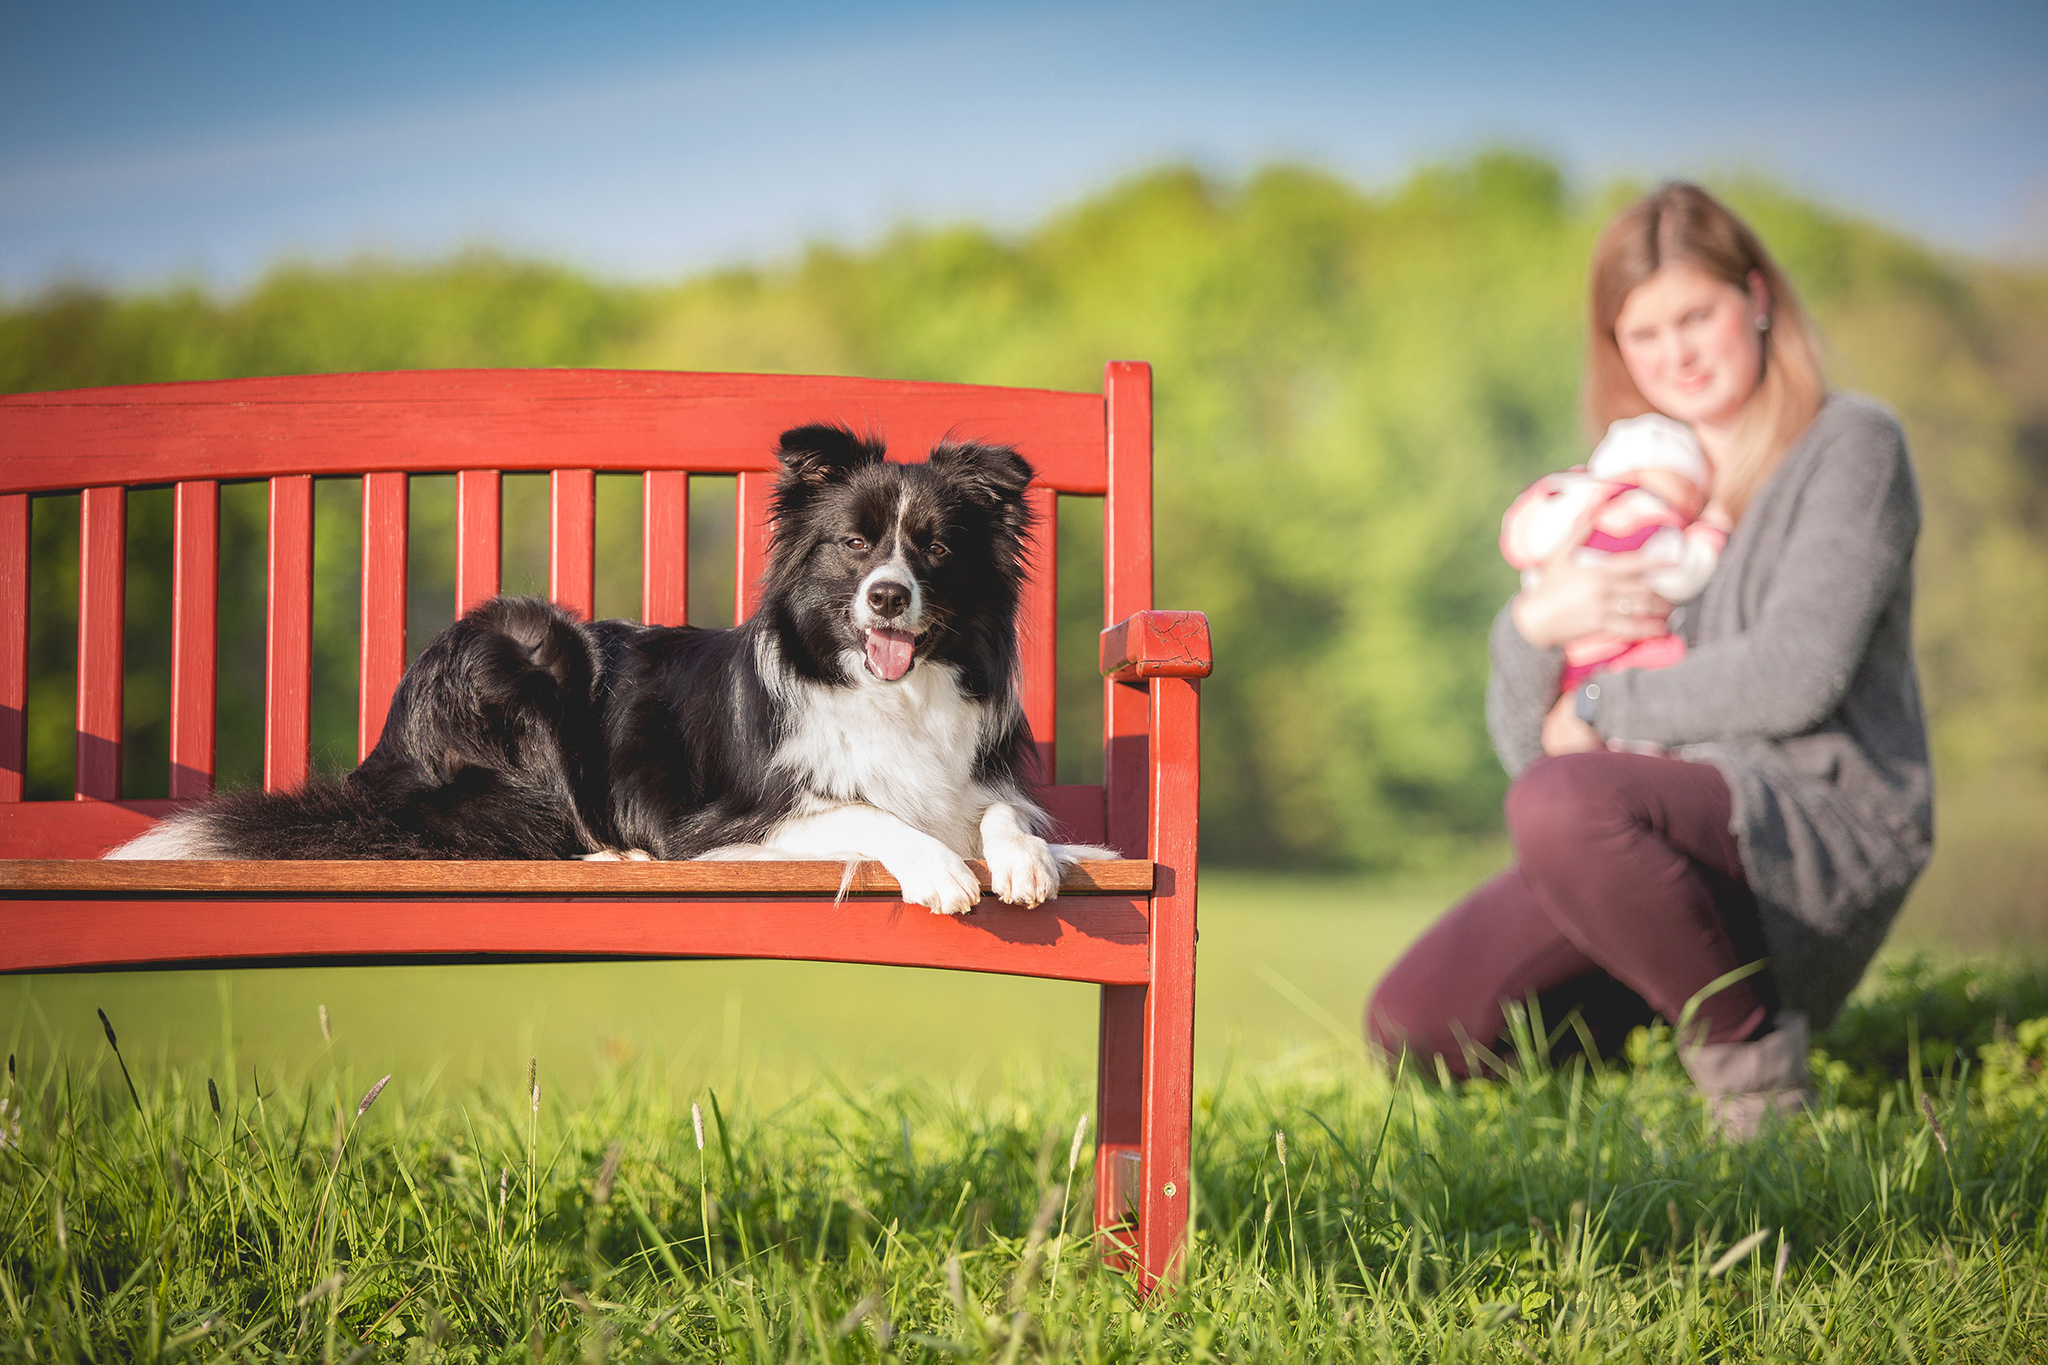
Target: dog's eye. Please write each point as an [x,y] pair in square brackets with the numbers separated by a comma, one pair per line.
[856,544]
[936,551]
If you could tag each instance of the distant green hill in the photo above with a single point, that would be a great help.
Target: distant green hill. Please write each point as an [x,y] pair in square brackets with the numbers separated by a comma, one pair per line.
[1351,386]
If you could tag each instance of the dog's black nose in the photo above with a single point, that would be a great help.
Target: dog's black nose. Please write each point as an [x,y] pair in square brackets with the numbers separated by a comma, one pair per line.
[888,600]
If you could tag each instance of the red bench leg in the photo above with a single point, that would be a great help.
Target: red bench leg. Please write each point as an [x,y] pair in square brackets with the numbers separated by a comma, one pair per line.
[1168,1118]
[1119,1121]
[1170,1000]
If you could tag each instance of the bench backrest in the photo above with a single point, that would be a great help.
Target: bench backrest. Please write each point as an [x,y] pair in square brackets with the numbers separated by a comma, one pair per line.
[479,425]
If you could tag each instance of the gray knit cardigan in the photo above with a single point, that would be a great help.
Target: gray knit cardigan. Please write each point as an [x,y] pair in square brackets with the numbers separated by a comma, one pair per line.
[1798,684]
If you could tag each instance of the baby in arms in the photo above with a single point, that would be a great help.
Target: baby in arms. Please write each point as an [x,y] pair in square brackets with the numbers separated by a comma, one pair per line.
[1646,488]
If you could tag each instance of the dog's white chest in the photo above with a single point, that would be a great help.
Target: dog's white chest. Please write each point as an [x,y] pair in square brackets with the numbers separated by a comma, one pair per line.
[907,747]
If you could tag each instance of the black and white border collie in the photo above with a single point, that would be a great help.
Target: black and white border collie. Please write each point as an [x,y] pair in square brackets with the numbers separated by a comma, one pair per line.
[867,709]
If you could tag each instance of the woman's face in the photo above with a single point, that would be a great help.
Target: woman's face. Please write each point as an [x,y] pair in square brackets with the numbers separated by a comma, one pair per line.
[1691,343]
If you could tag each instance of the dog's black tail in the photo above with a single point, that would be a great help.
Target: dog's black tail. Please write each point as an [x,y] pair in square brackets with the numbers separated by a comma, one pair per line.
[479,815]
[480,758]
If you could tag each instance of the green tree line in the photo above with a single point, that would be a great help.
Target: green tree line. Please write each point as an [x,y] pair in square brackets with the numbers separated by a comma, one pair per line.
[1351,384]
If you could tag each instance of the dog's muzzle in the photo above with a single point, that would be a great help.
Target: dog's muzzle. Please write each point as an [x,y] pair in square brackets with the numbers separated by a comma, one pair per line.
[888,612]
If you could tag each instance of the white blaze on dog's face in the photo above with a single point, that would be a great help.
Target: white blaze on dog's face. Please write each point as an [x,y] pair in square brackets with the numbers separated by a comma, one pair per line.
[888,565]
[889,600]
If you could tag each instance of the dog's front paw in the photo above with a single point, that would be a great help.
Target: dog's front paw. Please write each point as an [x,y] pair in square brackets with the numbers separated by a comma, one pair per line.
[1023,870]
[937,879]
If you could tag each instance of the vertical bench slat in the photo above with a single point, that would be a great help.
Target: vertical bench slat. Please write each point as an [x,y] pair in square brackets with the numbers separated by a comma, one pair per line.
[14,565]
[751,513]
[102,601]
[387,504]
[288,636]
[1126,589]
[1041,630]
[479,511]
[665,547]
[572,539]
[195,635]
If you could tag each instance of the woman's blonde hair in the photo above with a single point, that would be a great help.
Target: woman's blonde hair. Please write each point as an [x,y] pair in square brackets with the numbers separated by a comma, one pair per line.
[1683,223]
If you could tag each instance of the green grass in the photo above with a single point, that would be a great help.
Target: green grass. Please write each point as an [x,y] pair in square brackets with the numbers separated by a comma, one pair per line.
[1560,1214]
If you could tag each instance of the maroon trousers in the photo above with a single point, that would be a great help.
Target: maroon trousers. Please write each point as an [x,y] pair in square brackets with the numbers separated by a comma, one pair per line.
[1626,899]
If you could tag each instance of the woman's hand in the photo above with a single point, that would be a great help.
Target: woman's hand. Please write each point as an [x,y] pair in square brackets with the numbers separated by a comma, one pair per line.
[1564,732]
[1608,594]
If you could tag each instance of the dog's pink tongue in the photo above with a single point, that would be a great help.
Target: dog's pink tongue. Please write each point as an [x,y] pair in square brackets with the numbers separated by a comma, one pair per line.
[889,652]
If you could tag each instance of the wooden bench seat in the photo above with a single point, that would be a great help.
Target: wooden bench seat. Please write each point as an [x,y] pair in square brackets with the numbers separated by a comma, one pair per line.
[67,913]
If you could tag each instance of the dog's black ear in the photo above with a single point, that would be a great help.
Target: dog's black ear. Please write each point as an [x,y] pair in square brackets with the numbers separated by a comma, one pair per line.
[994,476]
[817,455]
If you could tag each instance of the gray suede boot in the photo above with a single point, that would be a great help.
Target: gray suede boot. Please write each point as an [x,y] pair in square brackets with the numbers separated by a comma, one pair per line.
[1743,1082]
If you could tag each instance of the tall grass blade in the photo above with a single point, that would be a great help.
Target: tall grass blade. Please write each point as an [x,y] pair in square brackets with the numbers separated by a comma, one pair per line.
[107,1024]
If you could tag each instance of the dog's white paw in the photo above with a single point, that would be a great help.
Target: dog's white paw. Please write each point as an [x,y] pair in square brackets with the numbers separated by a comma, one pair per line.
[1023,870]
[936,878]
[619,855]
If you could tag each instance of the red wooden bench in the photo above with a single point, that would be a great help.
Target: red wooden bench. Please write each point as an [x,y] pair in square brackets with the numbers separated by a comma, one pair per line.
[1128,925]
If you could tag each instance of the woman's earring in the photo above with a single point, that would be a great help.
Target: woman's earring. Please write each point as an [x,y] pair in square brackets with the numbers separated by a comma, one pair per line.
[1763,322]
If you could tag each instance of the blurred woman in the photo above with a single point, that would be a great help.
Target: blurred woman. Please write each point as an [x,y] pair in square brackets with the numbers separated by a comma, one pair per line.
[1768,799]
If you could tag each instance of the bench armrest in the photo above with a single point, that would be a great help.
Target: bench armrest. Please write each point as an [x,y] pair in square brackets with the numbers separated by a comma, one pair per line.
[1157,644]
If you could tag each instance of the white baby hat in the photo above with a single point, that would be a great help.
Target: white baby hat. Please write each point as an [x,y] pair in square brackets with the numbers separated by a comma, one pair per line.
[1652,441]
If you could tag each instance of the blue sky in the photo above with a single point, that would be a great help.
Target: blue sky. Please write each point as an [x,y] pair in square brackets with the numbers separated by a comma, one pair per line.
[205,140]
